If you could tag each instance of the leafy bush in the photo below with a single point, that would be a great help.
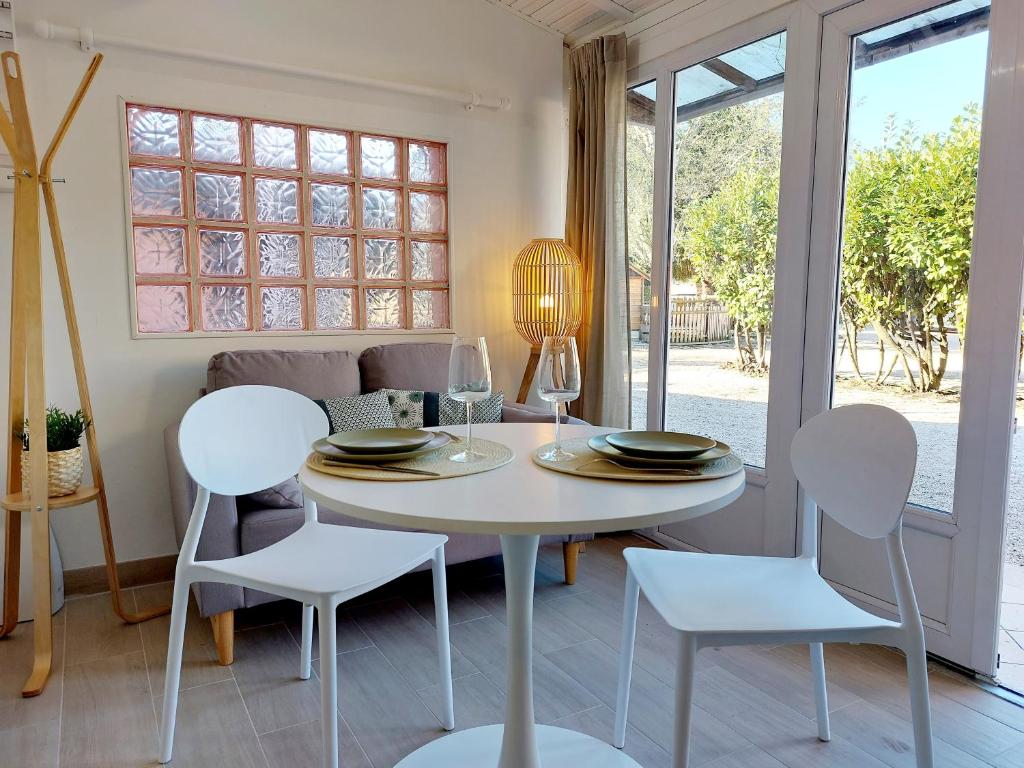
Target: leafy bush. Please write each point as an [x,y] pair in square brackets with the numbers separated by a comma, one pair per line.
[730,242]
[907,237]
[908,230]
[63,430]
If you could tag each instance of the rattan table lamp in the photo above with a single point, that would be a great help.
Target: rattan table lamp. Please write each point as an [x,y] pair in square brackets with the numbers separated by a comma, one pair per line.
[547,297]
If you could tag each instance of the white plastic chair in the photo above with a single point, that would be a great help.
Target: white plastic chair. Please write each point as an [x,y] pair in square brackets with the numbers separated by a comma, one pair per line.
[240,440]
[857,462]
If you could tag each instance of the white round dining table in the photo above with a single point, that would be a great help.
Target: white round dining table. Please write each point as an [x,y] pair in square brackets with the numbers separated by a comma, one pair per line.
[520,501]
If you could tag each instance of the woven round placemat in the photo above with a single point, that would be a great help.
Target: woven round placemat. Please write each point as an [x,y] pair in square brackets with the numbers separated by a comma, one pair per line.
[494,456]
[589,463]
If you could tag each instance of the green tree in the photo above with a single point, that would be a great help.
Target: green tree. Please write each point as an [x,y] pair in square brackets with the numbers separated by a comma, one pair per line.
[640,194]
[907,238]
[730,244]
[709,151]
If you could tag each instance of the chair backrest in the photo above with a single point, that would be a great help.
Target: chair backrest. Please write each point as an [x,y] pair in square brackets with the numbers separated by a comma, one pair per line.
[857,462]
[240,440]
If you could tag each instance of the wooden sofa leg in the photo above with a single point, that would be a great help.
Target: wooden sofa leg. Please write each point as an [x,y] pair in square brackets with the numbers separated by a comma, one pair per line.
[570,555]
[224,636]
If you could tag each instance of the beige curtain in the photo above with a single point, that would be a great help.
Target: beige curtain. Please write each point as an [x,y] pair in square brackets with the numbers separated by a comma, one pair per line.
[595,228]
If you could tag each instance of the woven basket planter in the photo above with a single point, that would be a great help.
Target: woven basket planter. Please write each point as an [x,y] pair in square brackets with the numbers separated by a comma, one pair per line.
[63,471]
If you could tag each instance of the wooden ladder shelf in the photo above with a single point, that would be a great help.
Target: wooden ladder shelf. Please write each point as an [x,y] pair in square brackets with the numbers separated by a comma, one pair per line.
[27,376]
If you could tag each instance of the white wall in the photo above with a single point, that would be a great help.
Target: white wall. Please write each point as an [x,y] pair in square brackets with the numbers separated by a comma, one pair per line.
[507,171]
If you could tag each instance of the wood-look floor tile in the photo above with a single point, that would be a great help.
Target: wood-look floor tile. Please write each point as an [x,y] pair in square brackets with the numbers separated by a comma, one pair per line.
[556,694]
[478,701]
[725,695]
[980,730]
[213,729]
[16,657]
[96,632]
[792,739]
[349,636]
[267,671]
[552,629]
[107,717]
[600,722]
[652,703]
[36,745]
[461,607]
[408,641]
[1011,758]
[657,644]
[387,717]
[301,746]
[199,665]
[891,739]
[788,684]
[754,705]
[972,731]
[751,757]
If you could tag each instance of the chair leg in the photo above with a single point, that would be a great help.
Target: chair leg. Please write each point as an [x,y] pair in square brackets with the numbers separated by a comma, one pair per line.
[328,682]
[224,636]
[684,699]
[820,692]
[626,648]
[570,556]
[917,678]
[172,674]
[306,652]
[444,649]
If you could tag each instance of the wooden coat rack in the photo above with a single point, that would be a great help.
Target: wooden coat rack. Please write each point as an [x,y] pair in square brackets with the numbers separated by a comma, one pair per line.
[27,375]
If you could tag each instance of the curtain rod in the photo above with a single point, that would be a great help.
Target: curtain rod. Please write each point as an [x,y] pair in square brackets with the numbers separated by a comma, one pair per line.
[88,39]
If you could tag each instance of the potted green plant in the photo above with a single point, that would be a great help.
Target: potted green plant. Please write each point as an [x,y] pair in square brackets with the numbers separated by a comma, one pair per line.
[64,454]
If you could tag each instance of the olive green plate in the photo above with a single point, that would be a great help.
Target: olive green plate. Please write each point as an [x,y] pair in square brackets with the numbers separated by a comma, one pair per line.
[378,441]
[599,444]
[660,445]
[324,448]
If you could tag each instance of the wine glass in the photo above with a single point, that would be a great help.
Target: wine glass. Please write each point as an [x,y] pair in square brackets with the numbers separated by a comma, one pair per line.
[558,381]
[469,381]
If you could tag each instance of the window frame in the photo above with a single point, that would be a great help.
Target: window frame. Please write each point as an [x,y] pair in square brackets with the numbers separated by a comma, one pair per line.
[306,177]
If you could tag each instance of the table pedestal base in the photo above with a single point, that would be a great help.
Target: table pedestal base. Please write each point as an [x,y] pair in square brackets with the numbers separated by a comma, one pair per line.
[481,748]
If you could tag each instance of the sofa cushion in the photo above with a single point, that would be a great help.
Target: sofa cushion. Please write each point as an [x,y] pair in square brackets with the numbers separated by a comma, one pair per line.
[315,374]
[421,367]
[286,495]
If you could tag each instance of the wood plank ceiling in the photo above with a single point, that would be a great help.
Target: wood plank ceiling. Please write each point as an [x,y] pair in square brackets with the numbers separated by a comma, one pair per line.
[577,20]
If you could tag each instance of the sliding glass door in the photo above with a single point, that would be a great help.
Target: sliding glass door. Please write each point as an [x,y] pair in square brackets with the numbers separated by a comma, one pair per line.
[824,205]
[705,164]
[898,245]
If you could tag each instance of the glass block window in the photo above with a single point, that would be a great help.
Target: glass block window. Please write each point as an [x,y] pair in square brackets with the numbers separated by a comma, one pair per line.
[247,226]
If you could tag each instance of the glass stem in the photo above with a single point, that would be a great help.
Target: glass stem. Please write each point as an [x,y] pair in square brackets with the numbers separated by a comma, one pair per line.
[558,426]
[469,428]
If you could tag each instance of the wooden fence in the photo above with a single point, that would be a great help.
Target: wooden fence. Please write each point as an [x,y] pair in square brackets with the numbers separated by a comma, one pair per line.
[691,321]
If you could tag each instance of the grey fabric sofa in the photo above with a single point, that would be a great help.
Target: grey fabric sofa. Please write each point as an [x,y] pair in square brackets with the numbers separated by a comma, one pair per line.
[236,526]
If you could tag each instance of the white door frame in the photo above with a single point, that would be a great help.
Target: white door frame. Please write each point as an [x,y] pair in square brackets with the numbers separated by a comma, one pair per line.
[974,529]
[772,491]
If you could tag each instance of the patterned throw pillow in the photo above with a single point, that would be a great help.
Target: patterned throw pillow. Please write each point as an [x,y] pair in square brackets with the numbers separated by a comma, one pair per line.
[484,411]
[361,412]
[413,409]
[408,408]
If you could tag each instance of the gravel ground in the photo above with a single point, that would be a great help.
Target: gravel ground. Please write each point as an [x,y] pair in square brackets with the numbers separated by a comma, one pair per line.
[704,395]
